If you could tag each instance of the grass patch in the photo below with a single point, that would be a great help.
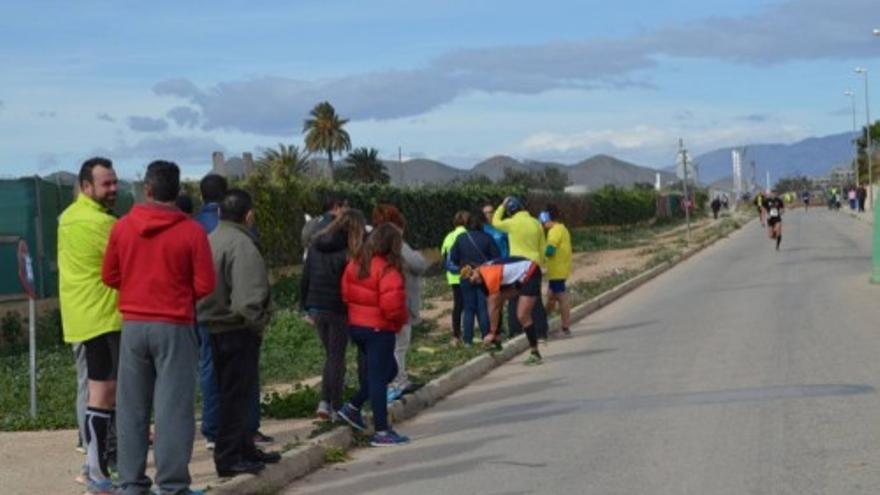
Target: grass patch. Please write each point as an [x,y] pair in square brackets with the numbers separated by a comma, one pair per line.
[435,287]
[601,238]
[334,455]
[56,391]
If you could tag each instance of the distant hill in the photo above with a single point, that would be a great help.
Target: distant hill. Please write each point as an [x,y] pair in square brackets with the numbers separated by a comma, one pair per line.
[593,173]
[422,171]
[603,170]
[813,157]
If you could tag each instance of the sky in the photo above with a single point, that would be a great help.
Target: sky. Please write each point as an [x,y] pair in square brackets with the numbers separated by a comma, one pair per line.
[452,80]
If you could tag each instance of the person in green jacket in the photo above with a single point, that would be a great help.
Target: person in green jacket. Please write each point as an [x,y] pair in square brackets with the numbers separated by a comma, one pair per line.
[459,221]
[235,314]
[89,313]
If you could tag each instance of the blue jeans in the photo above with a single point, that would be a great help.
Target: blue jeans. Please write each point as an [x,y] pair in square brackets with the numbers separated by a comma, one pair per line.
[208,384]
[211,391]
[474,305]
[376,368]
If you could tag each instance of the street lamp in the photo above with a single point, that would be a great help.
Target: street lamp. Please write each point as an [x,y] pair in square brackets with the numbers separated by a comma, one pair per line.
[868,140]
[852,97]
[876,31]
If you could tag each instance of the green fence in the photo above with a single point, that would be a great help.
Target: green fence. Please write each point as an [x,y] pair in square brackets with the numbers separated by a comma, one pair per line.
[30,208]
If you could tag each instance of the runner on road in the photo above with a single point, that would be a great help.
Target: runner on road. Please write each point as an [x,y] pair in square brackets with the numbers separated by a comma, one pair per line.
[774,207]
[805,197]
[510,278]
[759,203]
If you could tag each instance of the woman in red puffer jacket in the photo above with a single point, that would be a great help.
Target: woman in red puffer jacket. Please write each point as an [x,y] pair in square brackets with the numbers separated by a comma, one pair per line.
[373,290]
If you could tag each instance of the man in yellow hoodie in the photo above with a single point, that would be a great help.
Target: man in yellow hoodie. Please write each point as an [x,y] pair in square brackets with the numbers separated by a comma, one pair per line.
[526,237]
[89,313]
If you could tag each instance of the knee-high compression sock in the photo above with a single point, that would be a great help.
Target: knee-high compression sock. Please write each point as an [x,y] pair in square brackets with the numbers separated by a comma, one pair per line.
[97,429]
[532,336]
[778,240]
[112,441]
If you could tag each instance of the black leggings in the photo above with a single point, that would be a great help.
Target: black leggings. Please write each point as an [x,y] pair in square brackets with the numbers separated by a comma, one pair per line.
[457,308]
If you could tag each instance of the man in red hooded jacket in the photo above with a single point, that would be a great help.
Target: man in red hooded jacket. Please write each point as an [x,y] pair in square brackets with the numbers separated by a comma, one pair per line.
[160,261]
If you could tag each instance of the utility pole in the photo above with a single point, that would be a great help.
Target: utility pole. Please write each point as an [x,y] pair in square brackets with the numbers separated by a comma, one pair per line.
[682,152]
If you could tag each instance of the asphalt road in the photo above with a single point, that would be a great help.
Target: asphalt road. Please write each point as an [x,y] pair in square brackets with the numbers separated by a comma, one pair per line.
[742,371]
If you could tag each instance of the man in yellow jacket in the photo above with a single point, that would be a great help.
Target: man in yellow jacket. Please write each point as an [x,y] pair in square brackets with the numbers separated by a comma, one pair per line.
[89,313]
[558,253]
[526,237]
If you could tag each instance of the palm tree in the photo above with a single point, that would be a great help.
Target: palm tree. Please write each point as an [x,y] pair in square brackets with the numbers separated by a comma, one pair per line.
[324,132]
[285,162]
[365,166]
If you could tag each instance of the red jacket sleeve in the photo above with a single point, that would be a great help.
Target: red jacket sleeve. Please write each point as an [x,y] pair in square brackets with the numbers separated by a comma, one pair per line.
[392,298]
[110,273]
[204,278]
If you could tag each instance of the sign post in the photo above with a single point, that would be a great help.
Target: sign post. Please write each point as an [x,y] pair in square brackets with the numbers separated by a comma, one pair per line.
[26,277]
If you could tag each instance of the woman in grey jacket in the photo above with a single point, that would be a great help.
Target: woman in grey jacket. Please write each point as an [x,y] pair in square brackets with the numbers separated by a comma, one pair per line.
[414,266]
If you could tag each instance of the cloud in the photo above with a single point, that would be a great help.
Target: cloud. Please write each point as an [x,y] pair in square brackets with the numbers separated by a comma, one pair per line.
[183,150]
[755,117]
[654,142]
[846,111]
[184,116]
[794,30]
[105,117]
[147,124]
[47,114]
[47,160]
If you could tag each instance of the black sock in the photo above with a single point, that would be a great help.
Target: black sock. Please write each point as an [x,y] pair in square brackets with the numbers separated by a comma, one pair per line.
[531,335]
[778,240]
[111,441]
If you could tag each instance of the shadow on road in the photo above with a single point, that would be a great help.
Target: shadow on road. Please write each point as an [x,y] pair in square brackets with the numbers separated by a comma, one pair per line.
[629,326]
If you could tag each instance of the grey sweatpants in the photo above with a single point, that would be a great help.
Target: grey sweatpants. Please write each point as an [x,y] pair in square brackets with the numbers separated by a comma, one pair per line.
[82,389]
[158,363]
[401,347]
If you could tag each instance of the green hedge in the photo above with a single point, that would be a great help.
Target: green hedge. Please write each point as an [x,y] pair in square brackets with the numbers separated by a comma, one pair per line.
[280,207]
[428,210]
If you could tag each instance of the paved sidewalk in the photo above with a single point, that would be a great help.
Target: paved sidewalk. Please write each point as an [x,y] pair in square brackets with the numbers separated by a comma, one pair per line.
[45,462]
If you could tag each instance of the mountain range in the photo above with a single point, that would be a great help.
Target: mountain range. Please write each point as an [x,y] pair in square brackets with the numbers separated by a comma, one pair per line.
[813,157]
[591,173]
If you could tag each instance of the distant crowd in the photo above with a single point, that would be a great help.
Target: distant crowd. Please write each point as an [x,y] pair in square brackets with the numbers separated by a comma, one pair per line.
[166,297]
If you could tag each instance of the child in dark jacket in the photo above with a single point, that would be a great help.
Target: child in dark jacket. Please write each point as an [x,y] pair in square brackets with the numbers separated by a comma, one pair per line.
[321,296]
[373,290]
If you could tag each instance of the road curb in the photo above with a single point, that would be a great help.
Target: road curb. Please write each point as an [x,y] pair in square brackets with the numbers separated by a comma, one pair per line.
[307,458]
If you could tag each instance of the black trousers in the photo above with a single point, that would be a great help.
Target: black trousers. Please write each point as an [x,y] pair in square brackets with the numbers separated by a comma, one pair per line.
[236,366]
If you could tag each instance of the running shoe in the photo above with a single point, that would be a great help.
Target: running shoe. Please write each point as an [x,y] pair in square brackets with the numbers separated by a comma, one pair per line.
[101,487]
[393,394]
[83,478]
[209,445]
[323,411]
[352,416]
[566,332]
[80,447]
[534,359]
[388,439]
[261,439]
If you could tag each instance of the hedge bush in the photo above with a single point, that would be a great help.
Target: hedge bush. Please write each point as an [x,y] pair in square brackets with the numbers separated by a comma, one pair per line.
[280,206]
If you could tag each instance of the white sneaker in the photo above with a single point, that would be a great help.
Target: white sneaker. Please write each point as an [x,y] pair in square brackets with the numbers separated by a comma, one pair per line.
[323,411]
[209,445]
